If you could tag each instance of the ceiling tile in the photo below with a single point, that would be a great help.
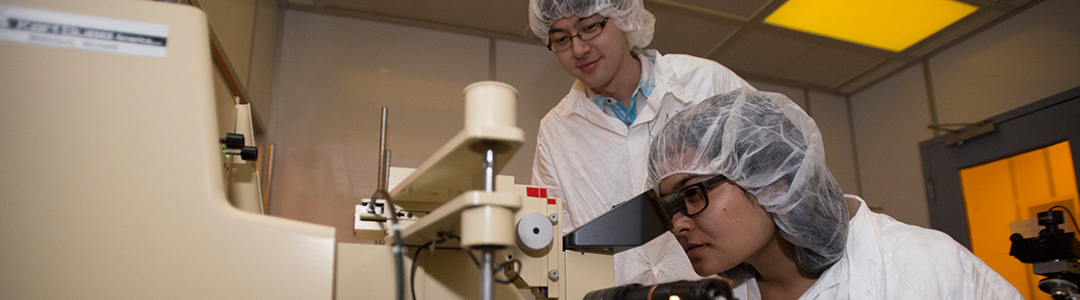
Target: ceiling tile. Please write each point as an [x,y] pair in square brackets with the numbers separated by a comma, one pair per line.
[694,27]
[826,65]
[874,75]
[762,52]
[743,8]
[509,17]
[955,31]
[688,34]
[505,17]
[409,9]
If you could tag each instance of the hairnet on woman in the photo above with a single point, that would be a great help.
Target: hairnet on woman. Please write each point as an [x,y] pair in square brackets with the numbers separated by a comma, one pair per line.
[763,210]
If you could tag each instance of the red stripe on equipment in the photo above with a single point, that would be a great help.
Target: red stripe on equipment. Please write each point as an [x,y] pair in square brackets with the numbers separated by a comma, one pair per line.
[543,193]
[551,201]
[532,192]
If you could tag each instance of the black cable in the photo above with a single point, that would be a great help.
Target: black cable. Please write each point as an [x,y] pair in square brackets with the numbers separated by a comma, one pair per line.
[397,248]
[474,261]
[499,267]
[517,274]
[1072,217]
[412,274]
[416,255]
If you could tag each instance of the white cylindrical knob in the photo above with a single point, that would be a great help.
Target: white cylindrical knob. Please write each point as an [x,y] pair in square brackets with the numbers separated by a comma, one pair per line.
[535,231]
[487,225]
[490,103]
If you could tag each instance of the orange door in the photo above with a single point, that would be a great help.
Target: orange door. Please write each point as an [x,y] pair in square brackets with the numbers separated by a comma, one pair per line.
[1014,189]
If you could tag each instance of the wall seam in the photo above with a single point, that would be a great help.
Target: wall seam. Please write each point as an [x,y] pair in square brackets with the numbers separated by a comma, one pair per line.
[251,44]
[806,96]
[491,58]
[854,147]
[932,101]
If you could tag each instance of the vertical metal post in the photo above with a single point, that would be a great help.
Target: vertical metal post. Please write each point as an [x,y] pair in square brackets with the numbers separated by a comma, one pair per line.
[269,177]
[383,165]
[489,171]
[487,288]
[487,273]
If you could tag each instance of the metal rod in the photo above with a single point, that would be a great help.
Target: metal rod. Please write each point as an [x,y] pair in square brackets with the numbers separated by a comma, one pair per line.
[489,171]
[382,152]
[487,275]
[385,166]
[269,176]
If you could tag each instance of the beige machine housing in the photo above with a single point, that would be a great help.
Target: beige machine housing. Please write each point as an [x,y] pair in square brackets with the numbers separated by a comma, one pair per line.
[448,272]
[112,174]
[113,185]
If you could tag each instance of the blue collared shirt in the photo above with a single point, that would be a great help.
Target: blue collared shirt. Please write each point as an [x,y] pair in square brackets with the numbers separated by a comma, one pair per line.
[627,115]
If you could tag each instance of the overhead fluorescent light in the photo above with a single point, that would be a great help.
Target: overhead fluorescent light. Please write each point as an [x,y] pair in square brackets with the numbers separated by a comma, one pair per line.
[892,25]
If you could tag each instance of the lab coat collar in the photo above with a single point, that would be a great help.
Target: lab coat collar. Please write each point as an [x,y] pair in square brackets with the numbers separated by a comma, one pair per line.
[667,83]
[667,86]
[861,264]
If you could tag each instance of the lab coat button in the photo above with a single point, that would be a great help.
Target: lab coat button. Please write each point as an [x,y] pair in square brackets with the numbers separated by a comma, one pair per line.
[869,291]
[871,261]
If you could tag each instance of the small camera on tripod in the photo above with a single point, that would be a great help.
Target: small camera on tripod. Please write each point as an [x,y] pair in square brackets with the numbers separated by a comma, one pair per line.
[1053,253]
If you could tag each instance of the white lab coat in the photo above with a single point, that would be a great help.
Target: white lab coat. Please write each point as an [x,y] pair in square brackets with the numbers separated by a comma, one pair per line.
[593,162]
[887,259]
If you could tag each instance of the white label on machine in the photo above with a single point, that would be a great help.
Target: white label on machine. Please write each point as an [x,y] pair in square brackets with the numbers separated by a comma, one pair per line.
[50,28]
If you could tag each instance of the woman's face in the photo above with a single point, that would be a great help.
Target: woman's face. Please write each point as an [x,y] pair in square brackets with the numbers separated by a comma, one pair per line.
[732,229]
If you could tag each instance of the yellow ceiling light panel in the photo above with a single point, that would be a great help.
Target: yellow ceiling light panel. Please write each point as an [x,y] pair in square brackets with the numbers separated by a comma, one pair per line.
[887,24]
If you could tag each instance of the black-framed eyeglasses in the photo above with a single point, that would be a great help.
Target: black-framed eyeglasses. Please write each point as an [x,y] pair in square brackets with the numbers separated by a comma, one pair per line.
[691,200]
[585,34]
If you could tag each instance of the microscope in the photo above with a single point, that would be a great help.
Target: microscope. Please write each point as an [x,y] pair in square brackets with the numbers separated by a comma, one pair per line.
[634,223]
[1053,253]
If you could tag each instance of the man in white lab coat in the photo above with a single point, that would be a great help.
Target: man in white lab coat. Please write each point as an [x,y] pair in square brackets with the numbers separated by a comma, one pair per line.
[592,148]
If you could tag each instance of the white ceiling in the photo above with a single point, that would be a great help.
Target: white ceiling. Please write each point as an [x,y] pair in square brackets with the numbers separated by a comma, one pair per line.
[729,31]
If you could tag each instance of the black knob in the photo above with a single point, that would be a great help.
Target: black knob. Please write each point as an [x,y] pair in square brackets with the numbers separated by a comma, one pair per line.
[233,141]
[249,153]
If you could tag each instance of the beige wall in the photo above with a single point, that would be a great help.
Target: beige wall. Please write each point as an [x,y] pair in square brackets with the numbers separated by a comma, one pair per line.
[1024,59]
[335,73]
[264,45]
[247,30]
[890,119]
[541,82]
[830,112]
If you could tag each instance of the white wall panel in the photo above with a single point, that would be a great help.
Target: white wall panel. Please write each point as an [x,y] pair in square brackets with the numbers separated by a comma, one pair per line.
[796,94]
[541,83]
[830,112]
[1029,57]
[334,74]
[264,45]
[231,21]
[890,120]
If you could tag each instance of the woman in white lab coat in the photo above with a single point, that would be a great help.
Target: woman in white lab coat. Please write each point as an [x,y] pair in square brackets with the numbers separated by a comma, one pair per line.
[764,211]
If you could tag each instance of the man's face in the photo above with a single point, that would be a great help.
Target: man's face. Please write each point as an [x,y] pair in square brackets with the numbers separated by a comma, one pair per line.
[595,61]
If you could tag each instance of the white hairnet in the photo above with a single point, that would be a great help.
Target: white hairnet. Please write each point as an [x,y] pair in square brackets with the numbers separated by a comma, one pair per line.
[629,15]
[767,145]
